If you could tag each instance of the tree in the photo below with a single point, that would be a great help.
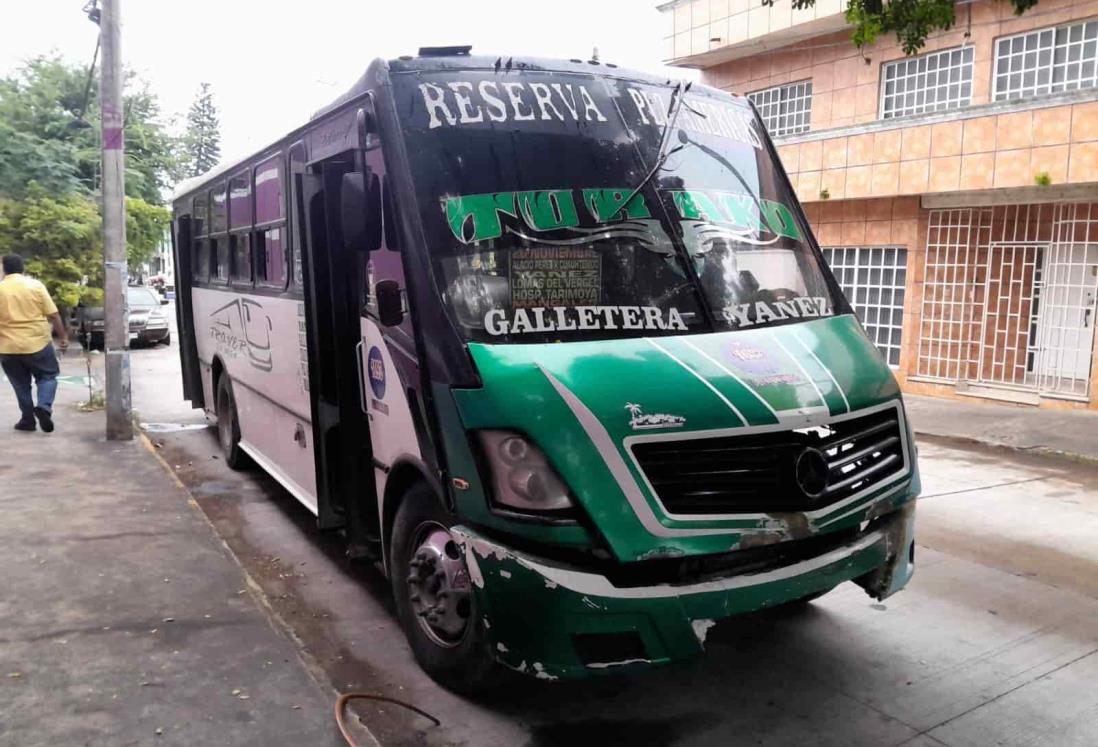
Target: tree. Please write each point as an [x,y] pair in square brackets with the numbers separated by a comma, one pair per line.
[910,20]
[60,239]
[57,130]
[146,226]
[49,175]
[203,136]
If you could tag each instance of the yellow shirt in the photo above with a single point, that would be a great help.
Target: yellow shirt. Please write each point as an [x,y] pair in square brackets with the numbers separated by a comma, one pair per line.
[24,305]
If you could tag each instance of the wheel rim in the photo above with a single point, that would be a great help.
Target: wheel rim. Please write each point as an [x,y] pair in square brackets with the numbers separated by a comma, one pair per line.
[224,419]
[438,585]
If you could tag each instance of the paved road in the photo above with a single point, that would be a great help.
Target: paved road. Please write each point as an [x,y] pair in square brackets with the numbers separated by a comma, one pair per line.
[994,642]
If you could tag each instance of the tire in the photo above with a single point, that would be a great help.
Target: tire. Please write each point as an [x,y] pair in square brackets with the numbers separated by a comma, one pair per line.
[167,339]
[460,662]
[228,425]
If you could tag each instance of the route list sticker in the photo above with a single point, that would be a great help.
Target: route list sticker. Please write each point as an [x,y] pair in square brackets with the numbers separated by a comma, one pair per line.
[555,276]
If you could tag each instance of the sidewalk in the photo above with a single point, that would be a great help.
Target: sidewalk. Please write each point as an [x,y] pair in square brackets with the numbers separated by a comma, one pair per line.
[1068,433]
[123,619]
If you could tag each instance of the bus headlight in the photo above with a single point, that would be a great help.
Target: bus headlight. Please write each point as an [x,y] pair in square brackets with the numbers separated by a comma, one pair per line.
[522,477]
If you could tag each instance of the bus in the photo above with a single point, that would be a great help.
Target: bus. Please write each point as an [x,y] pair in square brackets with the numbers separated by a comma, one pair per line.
[553,343]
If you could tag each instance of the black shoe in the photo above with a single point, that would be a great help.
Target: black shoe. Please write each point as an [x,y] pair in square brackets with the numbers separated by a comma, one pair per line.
[26,424]
[44,419]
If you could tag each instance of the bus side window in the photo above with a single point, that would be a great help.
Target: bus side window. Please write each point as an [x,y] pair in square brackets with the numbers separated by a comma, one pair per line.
[270,254]
[219,242]
[295,244]
[270,223]
[240,245]
[200,248]
[240,227]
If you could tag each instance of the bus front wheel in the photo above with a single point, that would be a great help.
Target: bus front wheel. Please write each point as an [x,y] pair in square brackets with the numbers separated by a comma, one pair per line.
[434,597]
[228,424]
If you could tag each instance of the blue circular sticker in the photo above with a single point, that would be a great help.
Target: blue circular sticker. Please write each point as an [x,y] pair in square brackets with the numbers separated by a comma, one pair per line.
[376,365]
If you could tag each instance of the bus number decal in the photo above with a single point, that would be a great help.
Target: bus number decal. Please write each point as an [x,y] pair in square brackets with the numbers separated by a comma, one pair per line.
[376,367]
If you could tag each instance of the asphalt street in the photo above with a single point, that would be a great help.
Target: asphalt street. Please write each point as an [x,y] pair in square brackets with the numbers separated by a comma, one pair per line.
[995,641]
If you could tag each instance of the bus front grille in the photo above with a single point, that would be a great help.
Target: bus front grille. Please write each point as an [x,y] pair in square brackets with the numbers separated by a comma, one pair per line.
[791,470]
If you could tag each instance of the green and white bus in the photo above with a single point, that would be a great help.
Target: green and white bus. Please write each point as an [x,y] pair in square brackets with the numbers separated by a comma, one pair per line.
[554,343]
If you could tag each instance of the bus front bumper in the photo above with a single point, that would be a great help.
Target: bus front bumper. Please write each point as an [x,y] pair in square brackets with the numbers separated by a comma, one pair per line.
[553,621]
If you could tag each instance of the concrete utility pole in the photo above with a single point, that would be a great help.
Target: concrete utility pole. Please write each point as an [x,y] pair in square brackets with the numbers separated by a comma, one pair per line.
[115,306]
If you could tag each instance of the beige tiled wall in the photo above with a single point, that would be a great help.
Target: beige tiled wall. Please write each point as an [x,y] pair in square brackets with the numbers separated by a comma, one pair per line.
[691,26]
[890,221]
[845,85]
[1004,150]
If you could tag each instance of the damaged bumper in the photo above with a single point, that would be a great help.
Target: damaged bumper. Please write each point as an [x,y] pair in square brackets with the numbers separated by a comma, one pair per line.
[551,620]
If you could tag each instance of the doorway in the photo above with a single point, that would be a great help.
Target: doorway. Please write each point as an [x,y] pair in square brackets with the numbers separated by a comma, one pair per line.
[333,280]
[1010,297]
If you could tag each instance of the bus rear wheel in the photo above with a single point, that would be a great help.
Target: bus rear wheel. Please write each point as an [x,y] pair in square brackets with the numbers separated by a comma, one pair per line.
[434,597]
[228,425]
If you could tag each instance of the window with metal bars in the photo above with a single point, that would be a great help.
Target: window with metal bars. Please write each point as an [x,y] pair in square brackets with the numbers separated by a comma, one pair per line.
[785,110]
[927,83]
[1062,58]
[873,278]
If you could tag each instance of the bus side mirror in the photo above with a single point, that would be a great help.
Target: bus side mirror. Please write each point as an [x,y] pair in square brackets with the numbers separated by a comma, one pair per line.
[390,304]
[360,211]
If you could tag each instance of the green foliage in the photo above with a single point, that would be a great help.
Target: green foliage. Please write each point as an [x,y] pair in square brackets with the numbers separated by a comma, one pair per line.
[60,239]
[25,159]
[146,226]
[49,176]
[58,133]
[203,138]
[1042,179]
[910,20]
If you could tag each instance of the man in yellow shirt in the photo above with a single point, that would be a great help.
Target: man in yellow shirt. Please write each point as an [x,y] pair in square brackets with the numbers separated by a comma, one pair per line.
[26,314]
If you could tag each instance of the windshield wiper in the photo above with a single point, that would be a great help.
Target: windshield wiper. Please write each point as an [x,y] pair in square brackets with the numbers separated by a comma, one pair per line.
[677,97]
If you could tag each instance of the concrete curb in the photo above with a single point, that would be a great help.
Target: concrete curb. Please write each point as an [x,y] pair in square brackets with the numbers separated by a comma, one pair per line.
[312,667]
[1043,451]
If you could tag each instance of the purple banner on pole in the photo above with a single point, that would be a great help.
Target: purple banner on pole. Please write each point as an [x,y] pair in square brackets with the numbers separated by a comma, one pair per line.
[112,138]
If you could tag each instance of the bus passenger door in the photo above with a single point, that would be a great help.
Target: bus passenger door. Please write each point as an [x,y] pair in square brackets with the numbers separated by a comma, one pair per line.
[391,380]
[332,270]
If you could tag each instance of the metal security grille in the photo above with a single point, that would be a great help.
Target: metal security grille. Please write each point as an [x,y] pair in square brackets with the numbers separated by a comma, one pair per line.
[785,110]
[927,83]
[1065,328]
[1050,60]
[873,279]
[1009,297]
[953,293]
[1011,290]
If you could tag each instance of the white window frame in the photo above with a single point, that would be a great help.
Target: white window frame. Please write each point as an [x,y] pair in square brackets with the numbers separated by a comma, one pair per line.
[1044,43]
[858,275]
[788,101]
[927,66]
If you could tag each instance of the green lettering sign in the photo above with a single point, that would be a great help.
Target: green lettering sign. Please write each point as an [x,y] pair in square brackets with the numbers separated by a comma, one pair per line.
[548,210]
[780,220]
[695,205]
[609,204]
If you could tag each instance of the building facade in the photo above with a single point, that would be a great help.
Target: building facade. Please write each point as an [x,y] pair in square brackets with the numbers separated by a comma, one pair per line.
[954,192]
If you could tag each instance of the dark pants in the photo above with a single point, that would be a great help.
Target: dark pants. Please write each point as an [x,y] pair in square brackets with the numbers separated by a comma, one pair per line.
[43,368]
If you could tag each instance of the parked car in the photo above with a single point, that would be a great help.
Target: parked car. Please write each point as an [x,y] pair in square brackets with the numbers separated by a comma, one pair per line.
[148,322]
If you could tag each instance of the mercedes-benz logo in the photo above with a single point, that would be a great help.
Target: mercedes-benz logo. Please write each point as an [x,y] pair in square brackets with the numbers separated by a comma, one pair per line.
[812,472]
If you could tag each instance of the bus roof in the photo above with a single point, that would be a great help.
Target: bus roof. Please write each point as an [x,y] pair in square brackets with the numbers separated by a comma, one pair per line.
[429,61]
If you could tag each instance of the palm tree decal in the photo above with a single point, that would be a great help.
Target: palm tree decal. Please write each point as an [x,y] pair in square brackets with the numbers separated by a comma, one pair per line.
[639,421]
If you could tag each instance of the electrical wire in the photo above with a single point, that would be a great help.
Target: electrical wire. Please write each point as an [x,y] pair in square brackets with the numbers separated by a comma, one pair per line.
[343,700]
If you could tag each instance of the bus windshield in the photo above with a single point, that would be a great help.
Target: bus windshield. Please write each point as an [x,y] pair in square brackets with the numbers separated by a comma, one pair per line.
[528,188]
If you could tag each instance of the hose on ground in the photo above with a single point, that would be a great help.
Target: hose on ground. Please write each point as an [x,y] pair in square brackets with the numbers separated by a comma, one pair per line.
[341,711]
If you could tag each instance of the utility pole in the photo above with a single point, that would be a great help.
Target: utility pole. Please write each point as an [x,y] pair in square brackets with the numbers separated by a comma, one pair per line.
[115,306]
